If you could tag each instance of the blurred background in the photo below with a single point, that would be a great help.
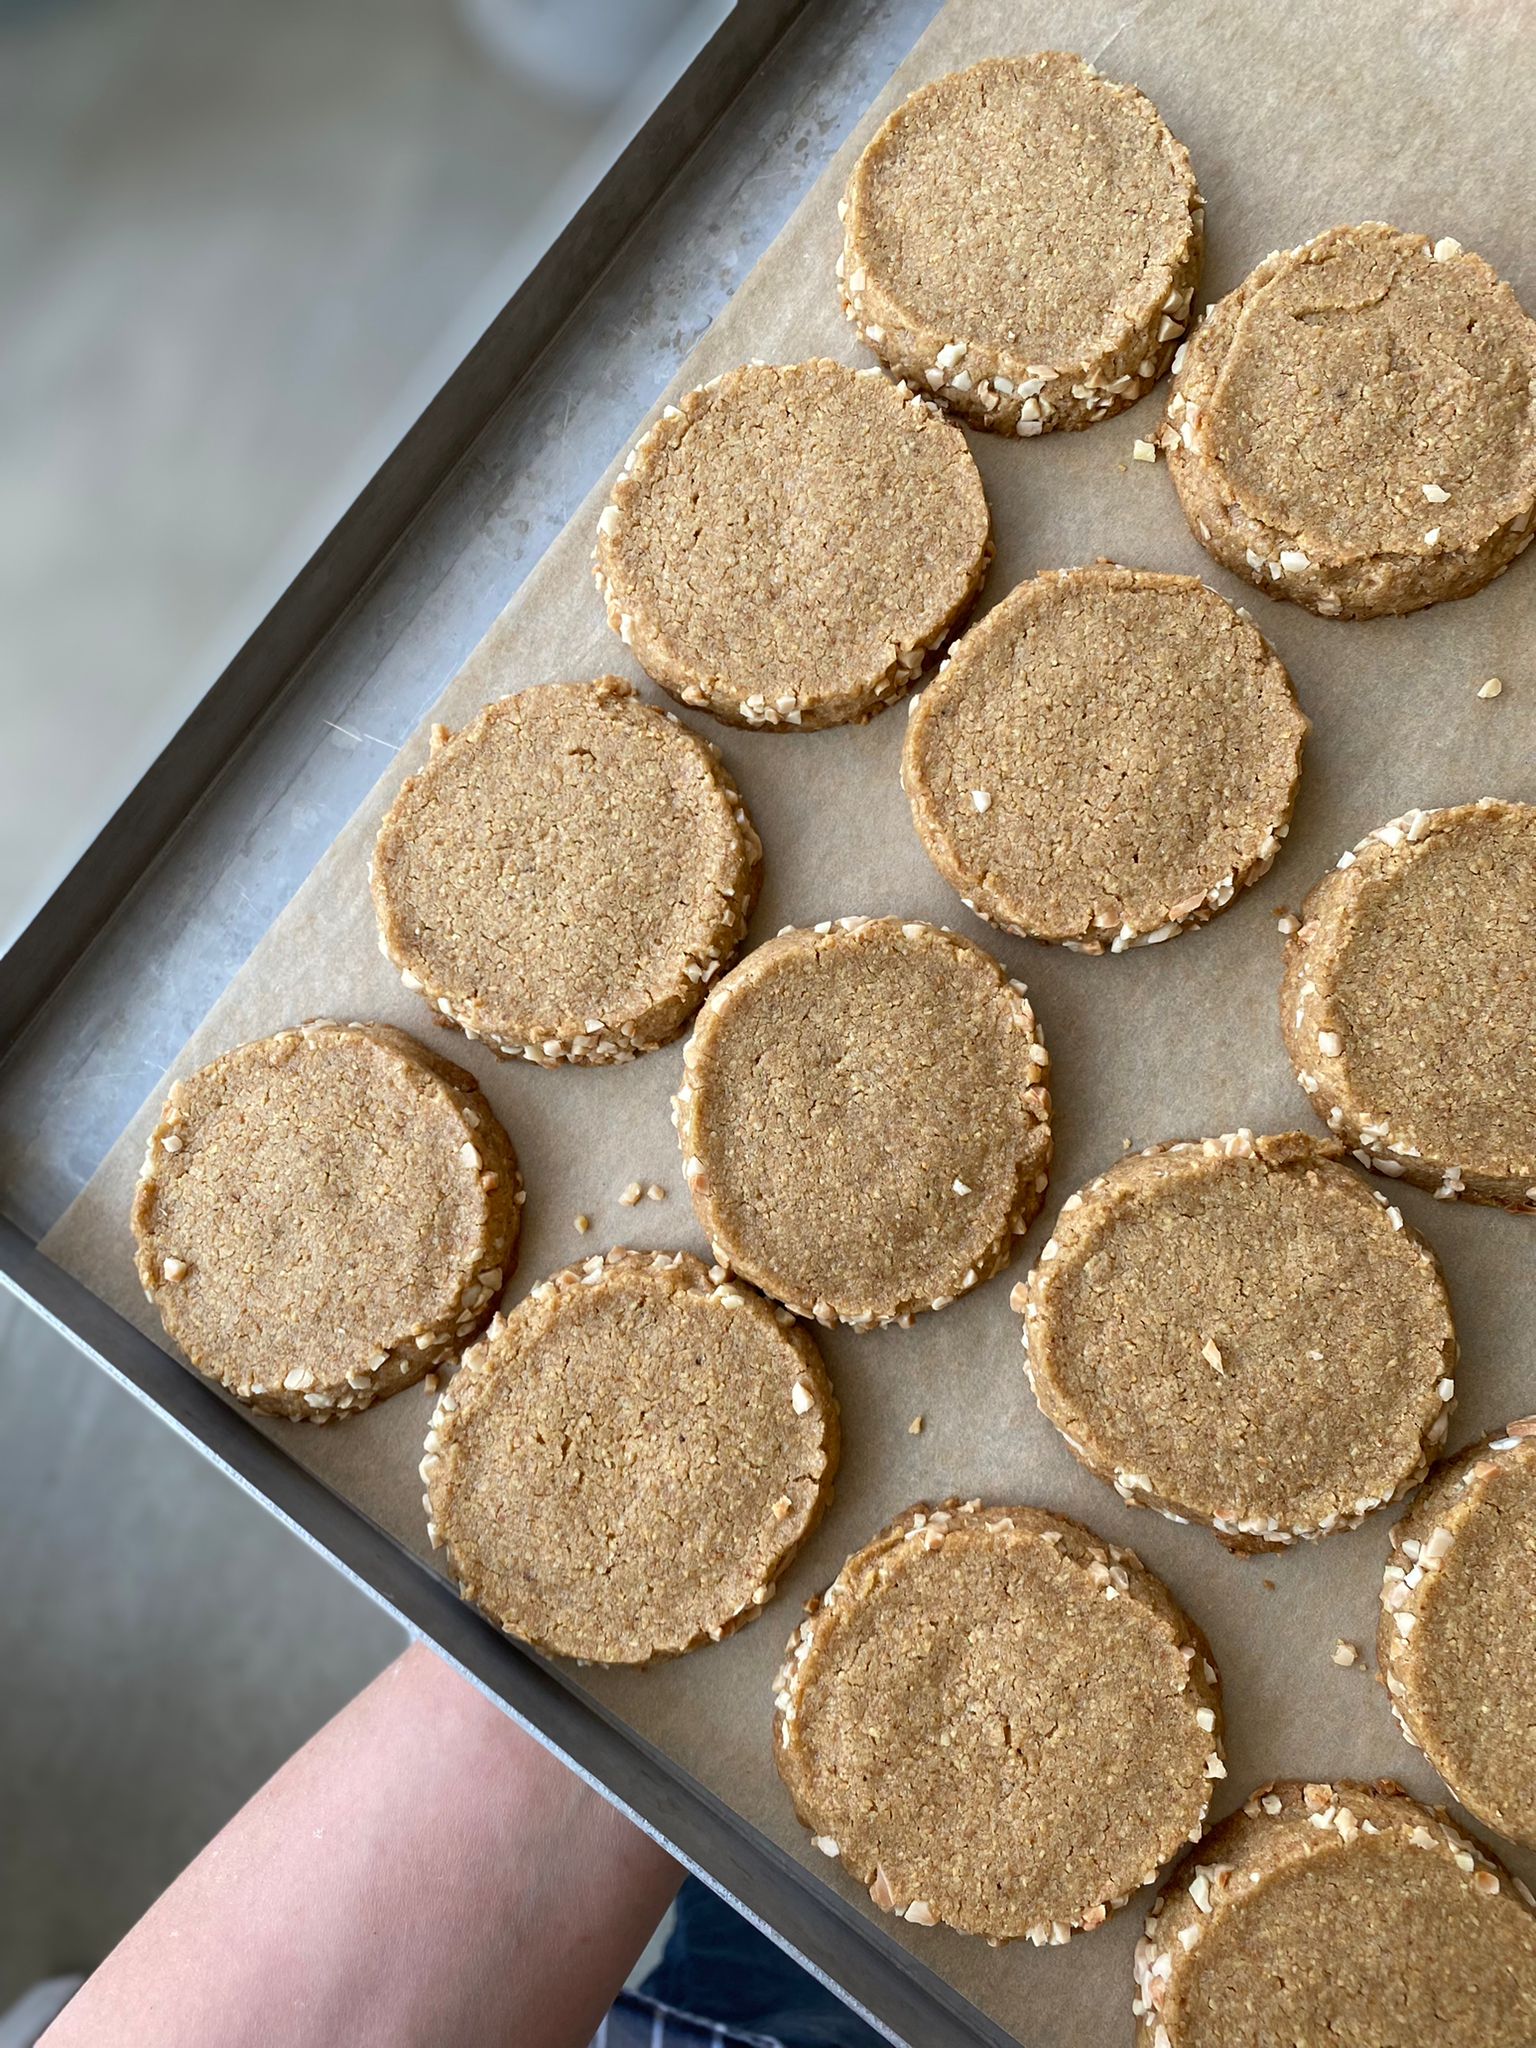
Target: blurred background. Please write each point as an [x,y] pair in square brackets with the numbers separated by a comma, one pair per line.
[239,247]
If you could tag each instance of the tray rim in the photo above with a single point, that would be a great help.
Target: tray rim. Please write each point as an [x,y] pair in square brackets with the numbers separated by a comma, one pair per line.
[894,1992]
[379,518]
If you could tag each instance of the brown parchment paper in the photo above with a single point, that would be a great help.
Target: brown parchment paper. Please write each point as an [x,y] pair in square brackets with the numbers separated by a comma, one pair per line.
[1297,118]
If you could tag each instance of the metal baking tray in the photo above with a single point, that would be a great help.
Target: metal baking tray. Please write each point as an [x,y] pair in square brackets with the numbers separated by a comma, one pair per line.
[182,910]
[111,977]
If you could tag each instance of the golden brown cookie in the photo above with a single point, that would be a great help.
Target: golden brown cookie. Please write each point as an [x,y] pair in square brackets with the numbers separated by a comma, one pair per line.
[864,1119]
[628,1462]
[1023,239]
[998,1722]
[1343,1914]
[566,876]
[324,1216]
[1457,1643]
[1354,427]
[1409,991]
[1241,1332]
[788,543]
[1105,759]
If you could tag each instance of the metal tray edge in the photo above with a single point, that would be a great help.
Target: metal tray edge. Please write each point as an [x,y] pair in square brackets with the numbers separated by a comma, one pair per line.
[893,1992]
[373,525]
[896,1994]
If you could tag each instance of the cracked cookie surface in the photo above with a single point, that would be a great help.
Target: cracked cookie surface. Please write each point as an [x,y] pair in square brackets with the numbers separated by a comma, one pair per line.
[1409,990]
[1457,1641]
[1354,427]
[864,1120]
[628,1462]
[1105,759]
[1022,239]
[1242,1332]
[788,544]
[566,875]
[324,1216]
[998,1722]
[1344,1913]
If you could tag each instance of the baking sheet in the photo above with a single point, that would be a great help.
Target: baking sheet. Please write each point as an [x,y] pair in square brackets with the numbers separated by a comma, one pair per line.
[1418,114]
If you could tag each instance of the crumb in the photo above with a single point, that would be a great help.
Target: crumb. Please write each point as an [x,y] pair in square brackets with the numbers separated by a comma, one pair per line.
[915,1426]
[430,1382]
[631,1194]
[583,1224]
[1345,1653]
[1123,469]
[1287,921]
[1143,451]
[1212,1356]
[1492,688]
[655,1192]
[1125,1144]
[1269,1585]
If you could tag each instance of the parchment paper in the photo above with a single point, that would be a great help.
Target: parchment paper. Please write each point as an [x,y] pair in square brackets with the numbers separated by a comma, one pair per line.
[1297,118]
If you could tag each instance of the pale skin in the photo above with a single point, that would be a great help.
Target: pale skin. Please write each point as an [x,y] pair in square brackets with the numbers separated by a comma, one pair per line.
[420,1872]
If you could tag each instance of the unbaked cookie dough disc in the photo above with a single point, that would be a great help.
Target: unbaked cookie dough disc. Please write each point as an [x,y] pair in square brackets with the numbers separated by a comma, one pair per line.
[1023,240]
[1409,994]
[566,875]
[1457,1644]
[324,1216]
[1241,1332]
[1354,427]
[998,1722]
[788,543]
[1105,759]
[864,1119]
[1343,1913]
[624,1467]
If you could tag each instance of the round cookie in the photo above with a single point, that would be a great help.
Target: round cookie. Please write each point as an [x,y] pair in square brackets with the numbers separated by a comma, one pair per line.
[1409,990]
[1343,1913]
[787,544]
[1023,239]
[998,1722]
[566,875]
[628,1462]
[1105,758]
[1457,1643]
[1242,1333]
[864,1119]
[1354,427]
[324,1216]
